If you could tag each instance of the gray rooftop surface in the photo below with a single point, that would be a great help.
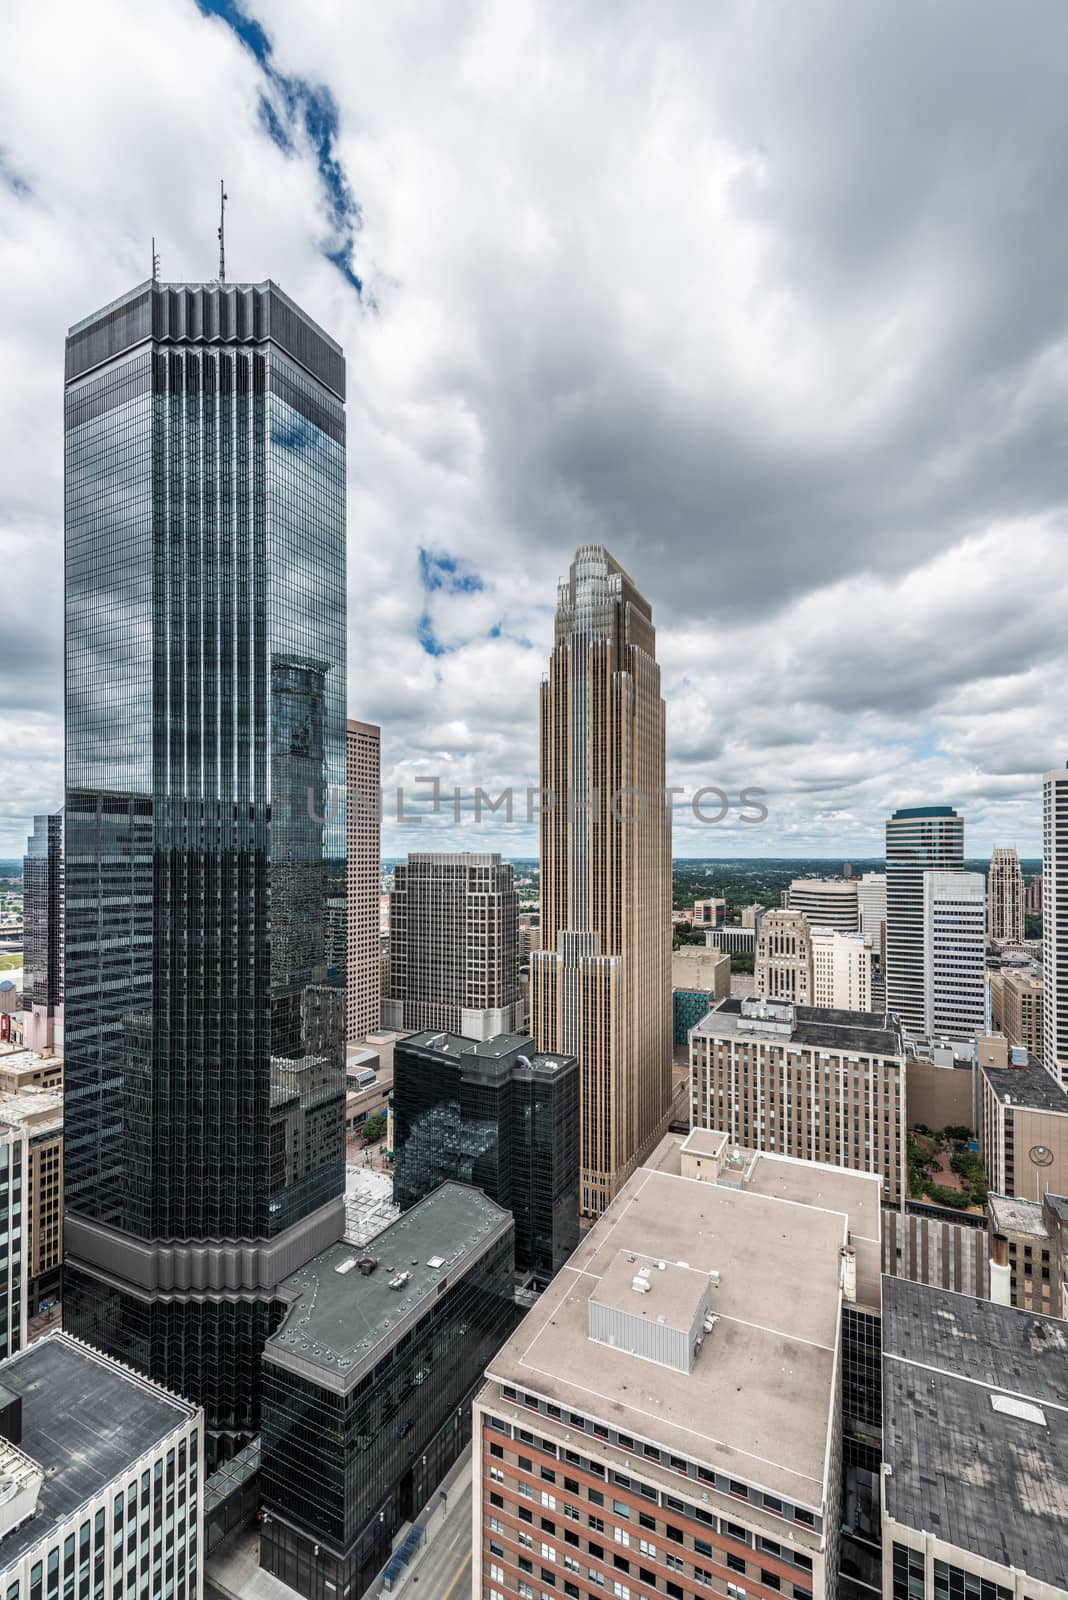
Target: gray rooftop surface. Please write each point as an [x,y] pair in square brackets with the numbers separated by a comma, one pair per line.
[85,1421]
[989,1482]
[501,1051]
[341,1322]
[867,1032]
[1032,1088]
[1018,1216]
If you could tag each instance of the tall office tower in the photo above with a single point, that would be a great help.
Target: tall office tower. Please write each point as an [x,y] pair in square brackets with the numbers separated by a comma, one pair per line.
[363,966]
[1005,897]
[1033,896]
[1016,1008]
[1055,924]
[841,970]
[453,946]
[827,902]
[600,987]
[954,954]
[42,914]
[918,839]
[205,725]
[783,964]
[871,904]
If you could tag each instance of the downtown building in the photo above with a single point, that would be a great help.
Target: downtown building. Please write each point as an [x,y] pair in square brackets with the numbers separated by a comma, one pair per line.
[205,865]
[668,1418]
[826,902]
[841,970]
[871,906]
[1016,1008]
[783,965]
[1005,897]
[919,839]
[600,986]
[1055,924]
[954,956]
[502,1116]
[820,1085]
[42,948]
[363,964]
[453,946]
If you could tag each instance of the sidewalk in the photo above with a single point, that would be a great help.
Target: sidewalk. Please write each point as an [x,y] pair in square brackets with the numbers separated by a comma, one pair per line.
[440,1558]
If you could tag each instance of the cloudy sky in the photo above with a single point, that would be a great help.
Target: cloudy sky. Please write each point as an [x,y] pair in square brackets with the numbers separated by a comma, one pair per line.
[772,300]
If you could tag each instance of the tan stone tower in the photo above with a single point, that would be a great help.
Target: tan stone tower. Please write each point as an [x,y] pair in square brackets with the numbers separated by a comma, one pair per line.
[600,986]
[1005,897]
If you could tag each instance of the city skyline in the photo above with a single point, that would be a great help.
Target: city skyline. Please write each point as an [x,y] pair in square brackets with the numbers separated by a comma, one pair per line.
[783,497]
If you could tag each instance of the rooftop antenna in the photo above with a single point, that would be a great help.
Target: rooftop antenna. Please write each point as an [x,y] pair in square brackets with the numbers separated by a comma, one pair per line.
[155,261]
[222,230]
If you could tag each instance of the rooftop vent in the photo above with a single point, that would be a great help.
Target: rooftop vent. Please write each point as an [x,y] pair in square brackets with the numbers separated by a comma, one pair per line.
[346,1265]
[400,1280]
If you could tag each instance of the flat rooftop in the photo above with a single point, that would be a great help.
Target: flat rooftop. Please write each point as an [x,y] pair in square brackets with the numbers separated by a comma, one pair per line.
[758,1401]
[1032,1088]
[341,1322]
[1018,1216]
[36,1110]
[865,1032]
[975,1426]
[85,1421]
[502,1051]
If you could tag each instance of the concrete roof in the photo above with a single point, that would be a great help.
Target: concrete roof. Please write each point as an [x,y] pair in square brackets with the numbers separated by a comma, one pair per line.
[1018,1216]
[861,1032]
[1031,1088]
[85,1421]
[758,1400]
[966,1462]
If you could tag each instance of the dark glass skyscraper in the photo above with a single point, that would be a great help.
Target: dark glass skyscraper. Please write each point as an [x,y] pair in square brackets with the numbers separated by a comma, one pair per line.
[42,915]
[205,692]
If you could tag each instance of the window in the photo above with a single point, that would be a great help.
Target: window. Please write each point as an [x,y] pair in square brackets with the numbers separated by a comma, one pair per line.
[548,1501]
[621,1536]
[740,1491]
[548,1552]
[770,1580]
[620,1509]
[496,1572]
[676,1563]
[908,1581]
[646,1548]
[735,1563]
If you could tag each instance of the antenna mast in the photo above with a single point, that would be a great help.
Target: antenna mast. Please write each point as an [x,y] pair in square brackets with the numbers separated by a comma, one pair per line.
[155,261]
[222,230]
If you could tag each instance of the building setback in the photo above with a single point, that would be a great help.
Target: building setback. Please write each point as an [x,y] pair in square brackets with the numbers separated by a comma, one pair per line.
[667,1418]
[600,986]
[818,1084]
[453,945]
[975,1449]
[500,1115]
[1005,897]
[918,839]
[205,864]
[103,1473]
[366,1383]
[363,966]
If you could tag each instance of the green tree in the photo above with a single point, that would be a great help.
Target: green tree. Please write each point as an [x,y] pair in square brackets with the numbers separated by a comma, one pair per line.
[373,1128]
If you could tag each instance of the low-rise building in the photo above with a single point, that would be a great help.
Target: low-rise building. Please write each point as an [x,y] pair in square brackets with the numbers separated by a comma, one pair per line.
[699,977]
[667,1418]
[1029,1253]
[365,1385]
[975,1449]
[709,913]
[22,1068]
[102,1472]
[822,1085]
[1023,1131]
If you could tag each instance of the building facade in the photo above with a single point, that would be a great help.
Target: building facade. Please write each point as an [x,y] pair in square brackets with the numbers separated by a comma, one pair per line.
[498,1114]
[1055,924]
[366,1384]
[841,970]
[820,1085]
[205,862]
[871,908]
[967,1381]
[1023,1132]
[954,954]
[1029,1253]
[784,965]
[14,1277]
[826,902]
[42,917]
[919,839]
[600,986]
[38,1115]
[627,1441]
[1016,1008]
[709,913]
[453,946]
[103,1472]
[363,965]
[1005,897]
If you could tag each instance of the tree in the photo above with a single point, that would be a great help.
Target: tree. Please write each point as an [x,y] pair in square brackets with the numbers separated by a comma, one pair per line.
[373,1128]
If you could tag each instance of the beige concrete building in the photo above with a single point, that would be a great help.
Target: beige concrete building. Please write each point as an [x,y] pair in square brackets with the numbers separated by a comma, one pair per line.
[975,1449]
[701,969]
[1055,924]
[783,965]
[1023,1132]
[940,1095]
[947,1254]
[871,906]
[29,1069]
[600,986]
[1029,1253]
[667,1419]
[454,946]
[827,902]
[751,915]
[37,1114]
[1016,1008]
[363,972]
[709,913]
[841,970]
[1005,897]
[824,1086]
